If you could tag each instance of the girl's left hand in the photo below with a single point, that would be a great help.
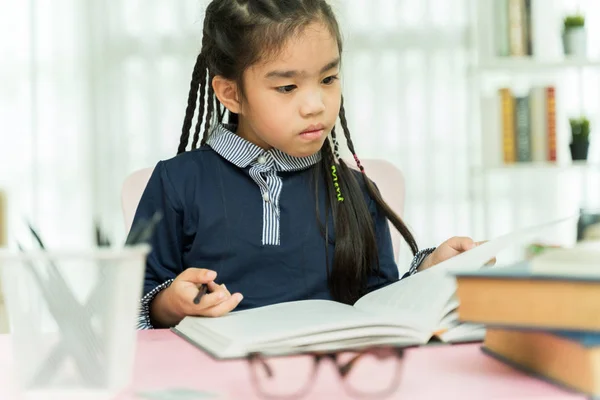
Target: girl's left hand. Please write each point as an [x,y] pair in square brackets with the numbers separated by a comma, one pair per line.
[450,248]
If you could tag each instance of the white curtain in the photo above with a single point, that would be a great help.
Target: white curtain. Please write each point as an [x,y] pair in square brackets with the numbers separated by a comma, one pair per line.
[46,120]
[91,91]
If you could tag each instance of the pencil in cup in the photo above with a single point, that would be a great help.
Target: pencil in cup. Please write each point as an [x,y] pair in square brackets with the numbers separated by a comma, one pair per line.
[201,292]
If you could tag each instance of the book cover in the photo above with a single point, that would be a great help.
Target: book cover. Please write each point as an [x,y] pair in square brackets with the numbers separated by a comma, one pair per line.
[585,339]
[539,137]
[518,297]
[523,137]
[551,122]
[501,28]
[507,110]
[517,27]
[556,359]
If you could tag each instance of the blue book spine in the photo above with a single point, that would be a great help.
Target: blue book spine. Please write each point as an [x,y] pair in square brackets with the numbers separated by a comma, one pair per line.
[586,339]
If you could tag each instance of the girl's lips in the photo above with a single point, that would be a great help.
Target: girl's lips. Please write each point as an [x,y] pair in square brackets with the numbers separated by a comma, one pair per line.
[312,134]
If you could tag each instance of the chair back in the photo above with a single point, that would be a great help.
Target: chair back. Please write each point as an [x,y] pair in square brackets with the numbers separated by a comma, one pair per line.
[391,185]
[131,193]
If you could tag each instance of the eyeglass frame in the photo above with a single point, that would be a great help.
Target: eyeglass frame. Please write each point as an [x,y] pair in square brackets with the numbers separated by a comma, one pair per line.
[343,370]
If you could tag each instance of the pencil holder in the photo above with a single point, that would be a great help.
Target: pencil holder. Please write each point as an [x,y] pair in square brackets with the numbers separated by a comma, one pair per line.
[72,318]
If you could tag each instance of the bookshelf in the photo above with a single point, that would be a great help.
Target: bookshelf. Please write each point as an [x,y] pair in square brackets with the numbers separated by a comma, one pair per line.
[532,65]
[545,167]
[536,187]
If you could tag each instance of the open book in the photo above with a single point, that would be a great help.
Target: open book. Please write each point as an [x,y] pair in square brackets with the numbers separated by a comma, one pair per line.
[406,313]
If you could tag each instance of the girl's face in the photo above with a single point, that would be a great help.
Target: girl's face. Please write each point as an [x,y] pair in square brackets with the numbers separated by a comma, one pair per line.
[292,101]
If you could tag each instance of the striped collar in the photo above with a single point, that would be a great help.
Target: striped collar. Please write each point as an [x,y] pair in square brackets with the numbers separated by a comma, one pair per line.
[242,153]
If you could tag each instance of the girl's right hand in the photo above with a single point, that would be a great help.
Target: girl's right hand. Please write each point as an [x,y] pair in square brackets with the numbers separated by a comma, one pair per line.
[177,301]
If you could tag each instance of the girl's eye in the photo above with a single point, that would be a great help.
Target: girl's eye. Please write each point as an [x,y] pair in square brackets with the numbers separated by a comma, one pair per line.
[286,89]
[330,80]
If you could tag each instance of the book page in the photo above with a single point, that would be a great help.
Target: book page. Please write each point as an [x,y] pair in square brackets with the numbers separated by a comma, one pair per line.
[309,321]
[368,335]
[419,300]
[463,332]
[480,255]
[424,299]
[346,345]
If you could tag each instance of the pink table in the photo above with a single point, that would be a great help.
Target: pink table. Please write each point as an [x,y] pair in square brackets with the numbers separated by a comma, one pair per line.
[165,361]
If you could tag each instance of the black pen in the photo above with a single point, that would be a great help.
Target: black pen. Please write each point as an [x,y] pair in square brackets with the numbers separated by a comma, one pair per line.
[143,231]
[201,292]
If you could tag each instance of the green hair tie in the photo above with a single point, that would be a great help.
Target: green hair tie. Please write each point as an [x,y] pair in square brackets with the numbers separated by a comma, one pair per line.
[336,183]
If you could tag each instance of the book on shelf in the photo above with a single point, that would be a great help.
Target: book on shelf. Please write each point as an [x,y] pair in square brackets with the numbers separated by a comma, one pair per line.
[518,29]
[525,28]
[519,127]
[522,129]
[508,126]
[551,122]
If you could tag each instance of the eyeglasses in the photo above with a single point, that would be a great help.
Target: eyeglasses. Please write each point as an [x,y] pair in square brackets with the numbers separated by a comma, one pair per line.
[366,373]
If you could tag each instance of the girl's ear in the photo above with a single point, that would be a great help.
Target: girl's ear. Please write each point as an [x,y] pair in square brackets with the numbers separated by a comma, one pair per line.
[227,92]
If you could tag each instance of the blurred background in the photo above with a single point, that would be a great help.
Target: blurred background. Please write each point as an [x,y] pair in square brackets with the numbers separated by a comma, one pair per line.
[471,99]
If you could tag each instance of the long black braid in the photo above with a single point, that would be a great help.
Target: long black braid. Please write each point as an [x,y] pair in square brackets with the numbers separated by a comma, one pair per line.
[198,81]
[201,101]
[209,112]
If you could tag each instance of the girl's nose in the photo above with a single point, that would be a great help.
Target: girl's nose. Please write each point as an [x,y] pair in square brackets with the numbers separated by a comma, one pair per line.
[313,104]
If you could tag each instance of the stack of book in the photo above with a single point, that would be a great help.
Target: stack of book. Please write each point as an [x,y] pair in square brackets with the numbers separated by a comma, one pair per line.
[542,316]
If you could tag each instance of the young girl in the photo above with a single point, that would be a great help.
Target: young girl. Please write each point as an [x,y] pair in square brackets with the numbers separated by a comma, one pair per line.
[263,204]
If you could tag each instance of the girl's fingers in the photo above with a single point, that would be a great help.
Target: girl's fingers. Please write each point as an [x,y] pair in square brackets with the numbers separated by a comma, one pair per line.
[226,290]
[214,287]
[210,300]
[216,302]
[197,275]
[224,307]
[460,243]
[187,291]
[490,263]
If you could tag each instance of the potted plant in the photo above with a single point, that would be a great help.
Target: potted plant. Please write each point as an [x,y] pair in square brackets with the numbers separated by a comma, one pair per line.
[574,35]
[580,138]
